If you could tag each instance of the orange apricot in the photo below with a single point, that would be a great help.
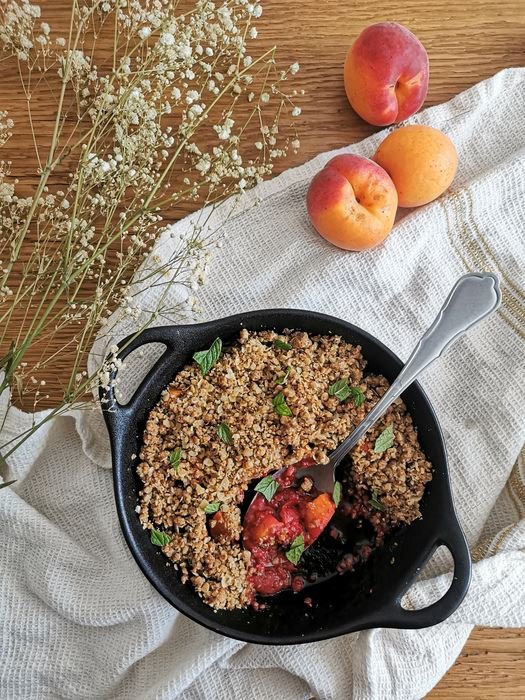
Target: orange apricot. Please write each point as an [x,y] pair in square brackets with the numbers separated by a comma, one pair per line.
[318,514]
[421,161]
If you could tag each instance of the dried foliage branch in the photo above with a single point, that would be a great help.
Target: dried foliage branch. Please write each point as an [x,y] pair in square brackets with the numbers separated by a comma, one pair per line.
[180,113]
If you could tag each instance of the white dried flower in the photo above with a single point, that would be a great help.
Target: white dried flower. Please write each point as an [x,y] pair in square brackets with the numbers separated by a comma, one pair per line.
[224,130]
[204,164]
[144,32]
[167,39]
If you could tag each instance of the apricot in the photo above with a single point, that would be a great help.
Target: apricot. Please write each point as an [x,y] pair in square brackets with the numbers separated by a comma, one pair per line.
[266,529]
[221,528]
[386,74]
[317,514]
[421,161]
[352,202]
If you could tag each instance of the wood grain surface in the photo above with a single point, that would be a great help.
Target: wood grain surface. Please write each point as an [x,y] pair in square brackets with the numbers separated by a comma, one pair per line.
[467,42]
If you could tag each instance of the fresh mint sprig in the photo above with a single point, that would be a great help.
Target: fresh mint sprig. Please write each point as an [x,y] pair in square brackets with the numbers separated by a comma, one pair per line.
[267,487]
[175,458]
[206,359]
[385,440]
[281,345]
[342,391]
[224,433]
[280,406]
[296,549]
[159,539]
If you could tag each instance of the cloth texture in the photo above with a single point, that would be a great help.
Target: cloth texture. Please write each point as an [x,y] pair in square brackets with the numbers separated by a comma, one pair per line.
[77,617]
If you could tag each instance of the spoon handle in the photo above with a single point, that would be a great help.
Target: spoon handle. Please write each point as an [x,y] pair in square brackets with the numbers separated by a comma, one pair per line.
[473,297]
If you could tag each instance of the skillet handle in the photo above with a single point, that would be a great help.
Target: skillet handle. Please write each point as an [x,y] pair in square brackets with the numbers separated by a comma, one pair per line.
[116,413]
[453,538]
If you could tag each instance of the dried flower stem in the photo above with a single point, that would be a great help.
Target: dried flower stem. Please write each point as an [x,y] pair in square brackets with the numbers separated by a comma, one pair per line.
[165,125]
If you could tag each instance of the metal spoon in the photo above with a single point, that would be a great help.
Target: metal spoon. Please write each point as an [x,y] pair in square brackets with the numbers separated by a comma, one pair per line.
[473,297]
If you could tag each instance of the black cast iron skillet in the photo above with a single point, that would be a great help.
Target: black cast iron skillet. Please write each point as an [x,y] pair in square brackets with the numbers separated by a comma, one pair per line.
[369,597]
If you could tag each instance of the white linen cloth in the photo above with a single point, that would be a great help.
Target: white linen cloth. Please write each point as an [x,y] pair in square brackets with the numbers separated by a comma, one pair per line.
[78,619]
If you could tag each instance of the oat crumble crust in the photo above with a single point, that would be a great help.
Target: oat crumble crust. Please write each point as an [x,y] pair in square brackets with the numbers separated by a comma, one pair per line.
[238,391]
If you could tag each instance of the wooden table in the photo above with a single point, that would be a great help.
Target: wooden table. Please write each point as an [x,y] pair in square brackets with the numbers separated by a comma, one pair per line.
[466,42]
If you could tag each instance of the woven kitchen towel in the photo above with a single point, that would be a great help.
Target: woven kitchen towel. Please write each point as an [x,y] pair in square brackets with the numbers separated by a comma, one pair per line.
[78,619]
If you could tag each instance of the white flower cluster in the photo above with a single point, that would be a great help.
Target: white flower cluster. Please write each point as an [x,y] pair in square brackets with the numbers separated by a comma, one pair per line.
[21,35]
[185,115]
[6,126]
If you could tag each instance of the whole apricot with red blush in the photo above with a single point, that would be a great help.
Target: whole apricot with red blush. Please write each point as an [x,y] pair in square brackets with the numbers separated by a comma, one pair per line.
[421,161]
[352,202]
[386,74]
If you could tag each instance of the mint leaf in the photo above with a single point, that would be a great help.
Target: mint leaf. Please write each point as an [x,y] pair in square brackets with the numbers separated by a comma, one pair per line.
[385,440]
[224,433]
[281,344]
[212,507]
[336,493]
[280,406]
[340,389]
[343,391]
[207,358]
[375,502]
[296,549]
[267,487]
[175,458]
[284,377]
[357,395]
[159,539]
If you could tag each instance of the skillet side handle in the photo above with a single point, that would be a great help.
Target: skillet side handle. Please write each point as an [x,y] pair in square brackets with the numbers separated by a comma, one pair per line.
[115,413]
[453,538]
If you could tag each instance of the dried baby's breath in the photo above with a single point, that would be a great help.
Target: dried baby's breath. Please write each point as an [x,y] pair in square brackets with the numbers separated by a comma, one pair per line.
[175,118]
